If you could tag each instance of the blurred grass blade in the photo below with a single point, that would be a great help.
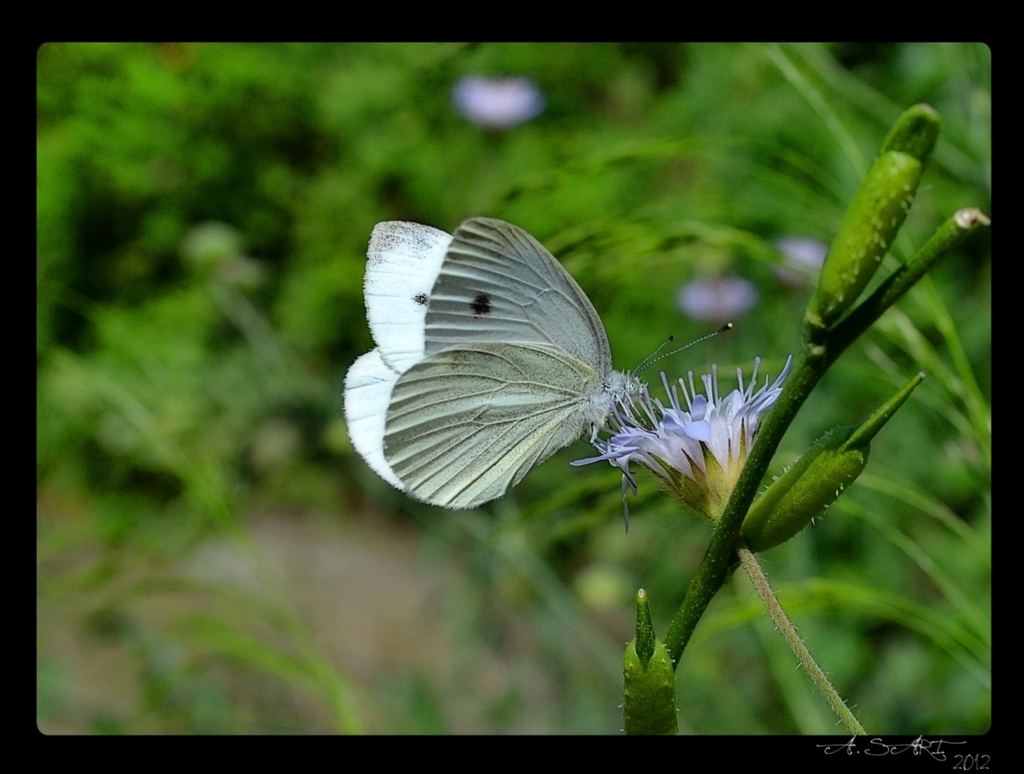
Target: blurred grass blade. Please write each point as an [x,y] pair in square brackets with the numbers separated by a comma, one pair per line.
[905,493]
[815,99]
[959,599]
[311,674]
[826,596]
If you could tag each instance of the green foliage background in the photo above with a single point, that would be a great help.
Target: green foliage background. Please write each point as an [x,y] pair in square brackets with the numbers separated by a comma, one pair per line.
[214,558]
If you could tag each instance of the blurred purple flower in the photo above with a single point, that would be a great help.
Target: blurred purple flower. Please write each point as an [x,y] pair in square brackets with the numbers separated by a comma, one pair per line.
[804,257]
[498,103]
[716,299]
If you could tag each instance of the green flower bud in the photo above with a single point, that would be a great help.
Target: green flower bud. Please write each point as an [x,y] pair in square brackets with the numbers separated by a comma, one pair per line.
[874,217]
[649,682]
[817,479]
[804,491]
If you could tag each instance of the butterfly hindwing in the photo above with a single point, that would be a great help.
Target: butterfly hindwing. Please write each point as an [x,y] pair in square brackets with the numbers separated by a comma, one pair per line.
[368,387]
[467,423]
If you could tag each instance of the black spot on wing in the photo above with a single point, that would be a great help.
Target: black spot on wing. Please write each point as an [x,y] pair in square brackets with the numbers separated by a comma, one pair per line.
[481,305]
[421,299]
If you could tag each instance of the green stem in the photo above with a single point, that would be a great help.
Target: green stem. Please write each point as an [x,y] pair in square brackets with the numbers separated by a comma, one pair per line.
[718,558]
[795,642]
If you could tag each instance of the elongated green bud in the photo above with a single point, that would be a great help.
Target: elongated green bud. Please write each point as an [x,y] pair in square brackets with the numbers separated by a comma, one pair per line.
[874,217]
[649,684]
[804,491]
[817,479]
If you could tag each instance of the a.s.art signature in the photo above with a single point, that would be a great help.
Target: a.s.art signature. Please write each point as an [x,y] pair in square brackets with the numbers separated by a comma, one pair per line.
[936,748]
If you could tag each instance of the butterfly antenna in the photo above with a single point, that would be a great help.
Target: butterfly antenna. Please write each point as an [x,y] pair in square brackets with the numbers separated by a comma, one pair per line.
[654,357]
[650,357]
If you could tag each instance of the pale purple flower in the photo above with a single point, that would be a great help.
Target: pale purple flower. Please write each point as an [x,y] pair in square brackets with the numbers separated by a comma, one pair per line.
[697,445]
[498,103]
[716,299]
[804,257]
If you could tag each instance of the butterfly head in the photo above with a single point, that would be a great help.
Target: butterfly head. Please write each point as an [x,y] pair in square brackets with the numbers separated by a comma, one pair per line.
[618,387]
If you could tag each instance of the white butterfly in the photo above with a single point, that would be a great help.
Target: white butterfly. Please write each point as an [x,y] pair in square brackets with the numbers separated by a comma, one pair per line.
[489,359]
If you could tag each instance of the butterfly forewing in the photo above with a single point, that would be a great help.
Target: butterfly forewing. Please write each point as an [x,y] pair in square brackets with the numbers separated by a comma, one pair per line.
[403,262]
[499,284]
[467,423]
